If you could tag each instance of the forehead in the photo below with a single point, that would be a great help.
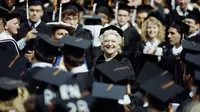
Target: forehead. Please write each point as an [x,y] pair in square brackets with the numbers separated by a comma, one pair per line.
[142,14]
[151,23]
[182,0]
[111,37]
[171,29]
[36,7]
[123,12]
[61,30]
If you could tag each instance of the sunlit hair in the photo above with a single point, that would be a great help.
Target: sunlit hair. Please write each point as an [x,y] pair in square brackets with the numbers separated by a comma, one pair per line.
[161,29]
[112,32]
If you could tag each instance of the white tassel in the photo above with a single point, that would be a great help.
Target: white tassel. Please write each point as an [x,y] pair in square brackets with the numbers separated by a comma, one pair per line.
[173,4]
[27,15]
[60,12]
[94,8]
[152,3]
[116,11]
[134,16]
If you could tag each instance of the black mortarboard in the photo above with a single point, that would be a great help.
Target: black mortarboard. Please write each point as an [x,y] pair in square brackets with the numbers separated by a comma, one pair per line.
[149,71]
[115,71]
[92,20]
[72,5]
[37,2]
[112,27]
[190,45]
[144,8]
[157,15]
[52,76]
[13,14]
[16,67]
[124,6]
[108,91]
[8,88]
[46,46]
[104,8]
[61,25]
[75,46]
[3,12]
[197,80]
[193,58]
[181,27]
[195,15]
[161,90]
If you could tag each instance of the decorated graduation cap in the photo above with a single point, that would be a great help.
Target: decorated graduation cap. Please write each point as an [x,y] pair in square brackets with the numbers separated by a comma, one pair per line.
[9,88]
[60,25]
[108,91]
[181,27]
[46,46]
[144,8]
[115,71]
[151,70]
[124,6]
[161,91]
[72,6]
[92,20]
[104,8]
[195,15]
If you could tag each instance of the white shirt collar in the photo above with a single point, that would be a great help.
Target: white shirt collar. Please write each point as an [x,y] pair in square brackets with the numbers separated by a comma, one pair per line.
[194,34]
[124,27]
[5,35]
[178,9]
[155,43]
[177,51]
[36,24]
[79,69]
[41,64]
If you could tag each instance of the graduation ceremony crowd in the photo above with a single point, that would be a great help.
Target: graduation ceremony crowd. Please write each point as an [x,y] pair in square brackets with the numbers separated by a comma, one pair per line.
[100,55]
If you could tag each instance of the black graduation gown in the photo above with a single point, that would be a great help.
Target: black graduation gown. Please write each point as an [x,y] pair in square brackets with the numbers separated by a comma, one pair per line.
[131,37]
[195,38]
[141,58]
[25,28]
[10,46]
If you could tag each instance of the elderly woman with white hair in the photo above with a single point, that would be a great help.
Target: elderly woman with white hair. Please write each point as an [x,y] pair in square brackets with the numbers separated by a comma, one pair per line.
[111,39]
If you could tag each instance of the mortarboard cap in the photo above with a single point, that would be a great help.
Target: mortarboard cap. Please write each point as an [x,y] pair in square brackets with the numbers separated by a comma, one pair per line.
[149,71]
[13,14]
[190,45]
[193,58]
[74,49]
[3,12]
[72,5]
[108,91]
[144,8]
[16,67]
[104,8]
[157,15]
[8,88]
[112,27]
[61,25]
[115,71]
[92,20]
[37,2]
[195,15]
[197,79]
[161,90]
[47,46]
[123,6]
[181,27]
[52,76]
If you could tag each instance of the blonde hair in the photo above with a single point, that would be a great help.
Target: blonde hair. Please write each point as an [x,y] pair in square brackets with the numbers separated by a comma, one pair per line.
[112,32]
[161,29]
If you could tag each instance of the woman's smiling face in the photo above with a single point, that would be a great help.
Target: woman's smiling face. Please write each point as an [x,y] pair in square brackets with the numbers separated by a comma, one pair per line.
[152,30]
[111,44]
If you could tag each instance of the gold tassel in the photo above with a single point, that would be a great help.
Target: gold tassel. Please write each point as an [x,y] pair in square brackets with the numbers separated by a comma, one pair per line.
[110,2]
[122,44]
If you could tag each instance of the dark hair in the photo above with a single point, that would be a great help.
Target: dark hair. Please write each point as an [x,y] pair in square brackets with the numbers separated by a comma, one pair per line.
[70,12]
[72,61]
[40,57]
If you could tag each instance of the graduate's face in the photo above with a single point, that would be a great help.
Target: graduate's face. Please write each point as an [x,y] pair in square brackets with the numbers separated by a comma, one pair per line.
[12,26]
[72,20]
[183,3]
[123,17]
[140,17]
[35,13]
[174,36]
[60,33]
[10,3]
[111,44]
[193,25]
[152,30]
